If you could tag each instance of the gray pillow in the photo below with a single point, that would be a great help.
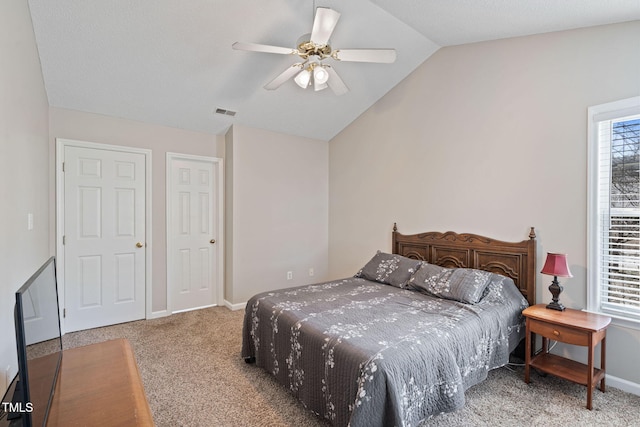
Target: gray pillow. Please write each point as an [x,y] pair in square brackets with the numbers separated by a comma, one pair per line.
[466,285]
[390,269]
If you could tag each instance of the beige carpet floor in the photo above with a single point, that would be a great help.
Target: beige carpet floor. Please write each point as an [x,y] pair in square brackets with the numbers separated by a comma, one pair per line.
[193,376]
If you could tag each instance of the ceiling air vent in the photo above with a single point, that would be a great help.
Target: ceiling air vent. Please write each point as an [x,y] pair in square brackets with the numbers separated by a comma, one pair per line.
[225,112]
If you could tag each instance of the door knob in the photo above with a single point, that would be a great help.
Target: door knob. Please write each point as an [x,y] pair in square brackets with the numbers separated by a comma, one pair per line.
[139,245]
[212,241]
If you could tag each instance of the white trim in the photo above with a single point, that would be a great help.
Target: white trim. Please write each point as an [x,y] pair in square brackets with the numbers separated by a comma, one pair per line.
[235,307]
[219,239]
[593,242]
[622,384]
[596,114]
[61,144]
[186,310]
[626,106]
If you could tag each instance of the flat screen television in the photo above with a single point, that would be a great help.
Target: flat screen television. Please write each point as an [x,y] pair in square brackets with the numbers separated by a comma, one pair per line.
[39,348]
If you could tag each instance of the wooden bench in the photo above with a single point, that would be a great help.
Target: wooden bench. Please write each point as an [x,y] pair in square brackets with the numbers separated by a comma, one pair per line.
[100,385]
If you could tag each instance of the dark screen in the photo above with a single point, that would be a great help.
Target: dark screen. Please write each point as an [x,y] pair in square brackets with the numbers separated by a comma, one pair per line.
[39,341]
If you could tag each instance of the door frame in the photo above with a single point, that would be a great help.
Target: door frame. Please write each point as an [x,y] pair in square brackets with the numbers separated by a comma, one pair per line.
[216,161]
[61,144]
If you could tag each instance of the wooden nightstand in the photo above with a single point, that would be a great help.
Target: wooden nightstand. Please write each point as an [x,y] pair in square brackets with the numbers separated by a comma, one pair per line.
[571,327]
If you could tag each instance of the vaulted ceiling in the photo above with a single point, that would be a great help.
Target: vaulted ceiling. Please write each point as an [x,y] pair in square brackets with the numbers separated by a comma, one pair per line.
[171,63]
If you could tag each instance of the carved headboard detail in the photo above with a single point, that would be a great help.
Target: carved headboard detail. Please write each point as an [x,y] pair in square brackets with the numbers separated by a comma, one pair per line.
[516,260]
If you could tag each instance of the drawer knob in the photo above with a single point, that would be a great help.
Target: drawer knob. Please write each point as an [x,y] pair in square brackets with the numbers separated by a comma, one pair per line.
[556,333]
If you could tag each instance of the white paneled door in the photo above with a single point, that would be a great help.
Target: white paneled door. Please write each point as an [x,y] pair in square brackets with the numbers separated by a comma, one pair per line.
[104,237]
[193,231]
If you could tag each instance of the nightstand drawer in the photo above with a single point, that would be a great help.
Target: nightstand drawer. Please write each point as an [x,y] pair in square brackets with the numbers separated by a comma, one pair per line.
[559,333]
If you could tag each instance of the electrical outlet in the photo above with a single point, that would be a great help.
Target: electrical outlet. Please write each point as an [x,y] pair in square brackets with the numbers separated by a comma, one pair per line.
[29,221]
[311,272]
[289,275]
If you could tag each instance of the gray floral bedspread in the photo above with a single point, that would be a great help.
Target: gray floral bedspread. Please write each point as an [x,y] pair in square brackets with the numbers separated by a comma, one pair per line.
[362,353]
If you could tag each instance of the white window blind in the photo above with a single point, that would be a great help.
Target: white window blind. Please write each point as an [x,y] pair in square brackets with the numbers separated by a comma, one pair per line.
[614,225]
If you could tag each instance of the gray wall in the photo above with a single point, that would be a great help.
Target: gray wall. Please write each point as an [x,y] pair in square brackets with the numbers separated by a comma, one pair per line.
[487,138]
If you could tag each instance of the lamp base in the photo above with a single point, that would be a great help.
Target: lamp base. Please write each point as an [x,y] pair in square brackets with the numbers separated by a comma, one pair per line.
[555,290]
[555,306]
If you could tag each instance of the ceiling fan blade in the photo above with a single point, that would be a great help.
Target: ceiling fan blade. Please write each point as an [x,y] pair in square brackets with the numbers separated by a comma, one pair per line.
[255,47]
[365,55]
[284,76]
[323,25]
[335,82]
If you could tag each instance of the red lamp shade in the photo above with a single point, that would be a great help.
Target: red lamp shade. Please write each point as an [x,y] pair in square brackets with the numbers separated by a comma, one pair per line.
[556,265]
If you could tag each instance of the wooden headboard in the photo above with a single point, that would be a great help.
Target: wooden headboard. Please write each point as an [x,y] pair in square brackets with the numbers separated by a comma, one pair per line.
[516,260]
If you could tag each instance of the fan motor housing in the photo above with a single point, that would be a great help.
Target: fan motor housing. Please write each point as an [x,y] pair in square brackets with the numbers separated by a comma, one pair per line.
[308,48]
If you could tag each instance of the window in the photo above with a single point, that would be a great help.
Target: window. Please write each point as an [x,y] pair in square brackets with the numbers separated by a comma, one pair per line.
[614,210]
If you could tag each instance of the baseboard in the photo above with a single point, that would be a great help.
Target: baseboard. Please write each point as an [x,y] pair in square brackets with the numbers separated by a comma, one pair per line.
[195,308]
[624,385]
[165,313]
[234,307]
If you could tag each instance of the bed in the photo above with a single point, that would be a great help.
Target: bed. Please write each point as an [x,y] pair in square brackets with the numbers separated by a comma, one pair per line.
[404,338]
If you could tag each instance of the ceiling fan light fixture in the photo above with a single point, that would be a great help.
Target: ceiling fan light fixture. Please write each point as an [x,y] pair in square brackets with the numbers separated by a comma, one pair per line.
[303,78]
[313,48]
[320,75]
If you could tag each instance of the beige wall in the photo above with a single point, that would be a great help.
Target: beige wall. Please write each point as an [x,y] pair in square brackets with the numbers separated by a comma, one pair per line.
[277,197]
[24,173]
[487,138]
[69,124]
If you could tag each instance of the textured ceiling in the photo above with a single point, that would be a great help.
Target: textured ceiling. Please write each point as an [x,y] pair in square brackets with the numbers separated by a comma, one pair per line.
[170,62]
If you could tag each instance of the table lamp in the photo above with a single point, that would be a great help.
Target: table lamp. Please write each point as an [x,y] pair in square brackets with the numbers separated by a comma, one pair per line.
[556,265]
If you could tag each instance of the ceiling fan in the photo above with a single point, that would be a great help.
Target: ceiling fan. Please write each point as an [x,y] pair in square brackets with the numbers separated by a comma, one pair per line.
[313,49]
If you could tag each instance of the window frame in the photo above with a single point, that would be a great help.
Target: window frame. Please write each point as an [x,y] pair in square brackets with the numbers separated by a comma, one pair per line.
[595,114]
